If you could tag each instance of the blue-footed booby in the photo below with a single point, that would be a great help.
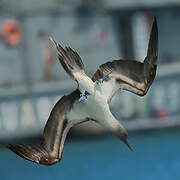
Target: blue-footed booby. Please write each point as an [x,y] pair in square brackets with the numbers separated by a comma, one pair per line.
[91,99]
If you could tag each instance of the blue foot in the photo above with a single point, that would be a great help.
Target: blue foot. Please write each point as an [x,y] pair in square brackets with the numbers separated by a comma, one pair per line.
[84,96]
[106,77]
[99,81]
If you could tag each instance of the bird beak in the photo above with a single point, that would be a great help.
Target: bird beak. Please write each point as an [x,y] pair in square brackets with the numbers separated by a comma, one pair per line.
[128,145]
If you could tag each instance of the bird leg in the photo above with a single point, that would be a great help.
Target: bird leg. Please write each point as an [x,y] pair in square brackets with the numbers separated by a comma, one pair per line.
[84,96]
[105,78]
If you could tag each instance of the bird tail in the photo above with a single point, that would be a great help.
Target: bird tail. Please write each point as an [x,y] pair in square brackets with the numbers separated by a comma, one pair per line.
[69,59]
[35,153]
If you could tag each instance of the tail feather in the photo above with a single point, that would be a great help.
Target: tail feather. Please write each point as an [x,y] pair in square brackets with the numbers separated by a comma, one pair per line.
[69,59]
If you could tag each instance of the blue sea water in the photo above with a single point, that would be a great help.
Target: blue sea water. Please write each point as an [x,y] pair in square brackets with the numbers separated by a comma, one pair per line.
[156,156]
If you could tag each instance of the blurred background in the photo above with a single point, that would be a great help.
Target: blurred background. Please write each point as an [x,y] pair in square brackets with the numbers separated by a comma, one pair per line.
[32,80]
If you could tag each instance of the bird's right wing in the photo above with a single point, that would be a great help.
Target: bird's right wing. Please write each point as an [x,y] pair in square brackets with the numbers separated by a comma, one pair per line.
[49,151]
[129,75]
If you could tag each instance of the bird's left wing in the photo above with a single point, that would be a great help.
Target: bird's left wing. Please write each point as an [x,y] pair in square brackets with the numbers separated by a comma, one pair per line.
[130,75]
[49,151]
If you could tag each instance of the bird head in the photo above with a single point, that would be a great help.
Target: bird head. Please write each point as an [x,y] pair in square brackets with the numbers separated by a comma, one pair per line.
[122,135]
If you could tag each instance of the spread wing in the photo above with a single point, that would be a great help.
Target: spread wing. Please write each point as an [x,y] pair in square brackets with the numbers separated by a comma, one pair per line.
[49,151]
[129,75]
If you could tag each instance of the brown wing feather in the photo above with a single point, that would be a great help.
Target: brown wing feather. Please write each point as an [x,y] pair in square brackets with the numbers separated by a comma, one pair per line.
[49,151]
[129,75]
[130,69]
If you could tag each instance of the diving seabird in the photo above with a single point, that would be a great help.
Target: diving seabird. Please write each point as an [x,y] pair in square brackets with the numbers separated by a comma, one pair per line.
[70,110]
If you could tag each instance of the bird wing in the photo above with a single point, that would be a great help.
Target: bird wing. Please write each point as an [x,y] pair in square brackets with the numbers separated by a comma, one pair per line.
[49,151]
[130,75]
